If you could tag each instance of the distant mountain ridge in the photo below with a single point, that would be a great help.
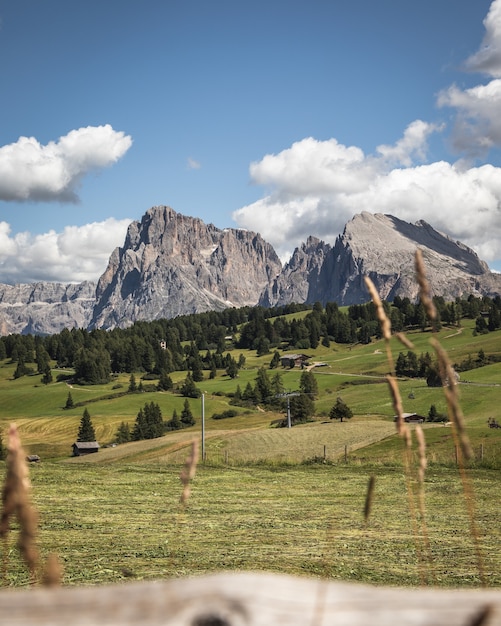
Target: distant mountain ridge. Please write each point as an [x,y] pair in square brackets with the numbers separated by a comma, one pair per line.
[381,247]
[171,265]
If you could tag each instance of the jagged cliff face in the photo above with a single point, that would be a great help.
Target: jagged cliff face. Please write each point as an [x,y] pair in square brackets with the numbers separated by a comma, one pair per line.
[172,265]
[299,279]
[383,247]
[45,308]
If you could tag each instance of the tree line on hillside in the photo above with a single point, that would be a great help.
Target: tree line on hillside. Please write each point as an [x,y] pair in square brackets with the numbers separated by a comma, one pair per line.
[200,343]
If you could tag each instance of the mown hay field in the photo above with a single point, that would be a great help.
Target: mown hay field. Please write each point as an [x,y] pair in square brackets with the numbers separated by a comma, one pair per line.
[117,522]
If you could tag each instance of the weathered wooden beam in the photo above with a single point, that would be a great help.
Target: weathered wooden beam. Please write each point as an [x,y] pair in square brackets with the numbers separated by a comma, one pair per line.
[238,599]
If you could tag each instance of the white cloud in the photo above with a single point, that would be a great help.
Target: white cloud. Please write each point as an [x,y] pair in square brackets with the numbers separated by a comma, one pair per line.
[488,58]
[31,171]
[314,187]
[193,165]
[318,199]
[477,126]
[76,254]
[413,144]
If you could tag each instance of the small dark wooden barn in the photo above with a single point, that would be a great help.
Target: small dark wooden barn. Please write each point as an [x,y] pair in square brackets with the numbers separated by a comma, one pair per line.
[85,447]
[411,418]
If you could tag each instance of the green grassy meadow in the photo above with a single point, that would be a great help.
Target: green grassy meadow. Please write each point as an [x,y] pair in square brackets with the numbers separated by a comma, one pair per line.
[111,523]
[284,500]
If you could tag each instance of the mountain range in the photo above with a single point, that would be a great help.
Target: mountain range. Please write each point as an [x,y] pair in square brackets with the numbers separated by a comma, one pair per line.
[171,265]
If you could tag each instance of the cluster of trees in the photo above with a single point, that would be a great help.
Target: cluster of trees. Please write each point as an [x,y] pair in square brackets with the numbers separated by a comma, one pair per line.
[268,391]
[149,423]
[197,343]
[480,360]
[435,416]
[411,366]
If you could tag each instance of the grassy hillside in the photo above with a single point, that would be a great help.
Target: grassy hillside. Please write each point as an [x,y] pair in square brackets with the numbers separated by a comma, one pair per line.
[266,498]
[354,372]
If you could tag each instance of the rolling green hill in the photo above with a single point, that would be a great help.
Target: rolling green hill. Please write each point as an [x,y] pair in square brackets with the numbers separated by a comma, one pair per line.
[354,372]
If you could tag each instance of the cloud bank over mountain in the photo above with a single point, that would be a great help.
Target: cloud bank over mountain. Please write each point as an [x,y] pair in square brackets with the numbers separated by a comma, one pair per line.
[311,187]
[76,254]
[314,187]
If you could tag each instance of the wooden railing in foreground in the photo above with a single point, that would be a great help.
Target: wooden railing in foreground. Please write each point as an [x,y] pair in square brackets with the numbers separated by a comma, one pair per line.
[240,599]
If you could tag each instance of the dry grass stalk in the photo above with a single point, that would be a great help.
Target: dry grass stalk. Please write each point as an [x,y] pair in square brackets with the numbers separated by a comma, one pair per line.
[424,287]
[449,383]
[53,572]
[482,618]
[402,427]
[423,463]
[397,406]
[369,498]
[382,317]
[462,441]
[16,503]
[188,472]
[456,416]
[405,341]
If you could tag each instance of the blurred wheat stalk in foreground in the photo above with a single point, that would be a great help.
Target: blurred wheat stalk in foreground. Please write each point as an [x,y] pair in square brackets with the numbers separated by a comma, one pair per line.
[456,418]
[16,504]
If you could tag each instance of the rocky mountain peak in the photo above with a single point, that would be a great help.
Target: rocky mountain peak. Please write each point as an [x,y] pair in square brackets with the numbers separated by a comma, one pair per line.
[172,264]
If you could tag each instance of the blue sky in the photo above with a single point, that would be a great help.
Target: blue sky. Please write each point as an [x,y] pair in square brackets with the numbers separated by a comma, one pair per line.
[284,117]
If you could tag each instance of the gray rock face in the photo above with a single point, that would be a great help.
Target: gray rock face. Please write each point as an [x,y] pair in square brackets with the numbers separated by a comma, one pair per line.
[174,265]
[299,279]
[383,247]
[45,308]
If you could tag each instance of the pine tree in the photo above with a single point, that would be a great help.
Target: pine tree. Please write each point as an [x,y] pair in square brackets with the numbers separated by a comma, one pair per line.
[86,431]
[69,401]
[275,361]
[248,394]
[123,434]
[42,359]
[47,375]
[232,369]
[302,408]
[132,384]
[92,366]
[308,384]
[237,396]
[432,413]
[149,423]
[140,428]
[175,422]
[189,389]
[340,410]
[154,420]
[21,369]
[213,371]
[196,369]
[263,388]
[186,415]
[165,382]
